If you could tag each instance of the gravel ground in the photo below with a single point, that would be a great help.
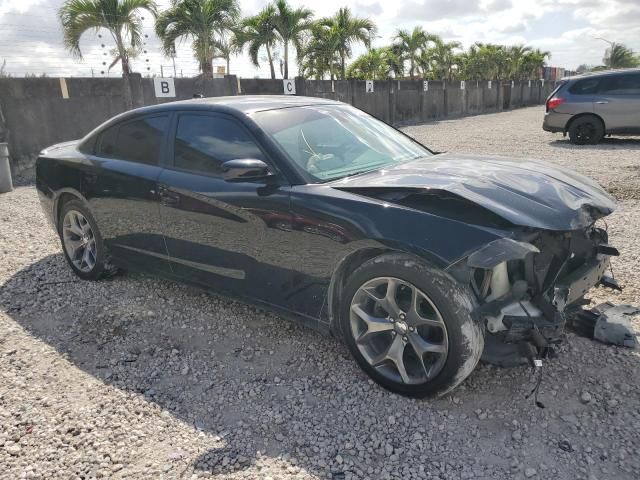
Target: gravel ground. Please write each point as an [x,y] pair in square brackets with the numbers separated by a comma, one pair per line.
[137,377]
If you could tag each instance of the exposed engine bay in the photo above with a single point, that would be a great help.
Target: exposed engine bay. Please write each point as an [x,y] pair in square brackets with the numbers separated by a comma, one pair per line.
[525,286]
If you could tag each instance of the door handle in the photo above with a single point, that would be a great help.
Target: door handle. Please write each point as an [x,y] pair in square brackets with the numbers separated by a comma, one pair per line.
[602,102]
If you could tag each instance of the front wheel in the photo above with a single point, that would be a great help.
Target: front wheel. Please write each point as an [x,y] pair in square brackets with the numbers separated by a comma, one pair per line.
[409,326]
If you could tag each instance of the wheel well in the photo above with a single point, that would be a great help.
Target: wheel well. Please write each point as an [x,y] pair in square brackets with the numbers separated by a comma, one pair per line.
[347,266]
[62,199]
[586,114]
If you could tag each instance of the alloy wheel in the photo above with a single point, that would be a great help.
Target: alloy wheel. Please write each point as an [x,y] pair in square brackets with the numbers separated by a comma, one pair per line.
[79,241]
[398,330]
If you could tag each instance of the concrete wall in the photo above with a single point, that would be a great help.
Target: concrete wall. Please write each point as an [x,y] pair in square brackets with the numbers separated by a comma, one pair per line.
[37,113]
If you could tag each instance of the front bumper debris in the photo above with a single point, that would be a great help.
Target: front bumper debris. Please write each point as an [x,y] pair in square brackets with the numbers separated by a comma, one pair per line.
[544,279]
[606,323]
[580,281]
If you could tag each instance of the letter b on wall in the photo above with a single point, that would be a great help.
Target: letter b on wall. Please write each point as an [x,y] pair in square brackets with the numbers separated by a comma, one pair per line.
[164,87]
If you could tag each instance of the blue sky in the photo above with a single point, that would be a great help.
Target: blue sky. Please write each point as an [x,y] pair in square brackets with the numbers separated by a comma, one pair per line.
[31,40]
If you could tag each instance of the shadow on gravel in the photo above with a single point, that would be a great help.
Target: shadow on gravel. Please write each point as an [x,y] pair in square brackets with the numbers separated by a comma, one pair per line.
[260,387]
[263,386]
[607,143]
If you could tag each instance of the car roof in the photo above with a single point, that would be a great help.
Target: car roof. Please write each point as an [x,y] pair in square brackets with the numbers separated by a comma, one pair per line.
[244,104]
[239,105]
[603,73]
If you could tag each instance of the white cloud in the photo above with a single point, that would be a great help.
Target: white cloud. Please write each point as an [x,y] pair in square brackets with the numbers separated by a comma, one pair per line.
[31,39]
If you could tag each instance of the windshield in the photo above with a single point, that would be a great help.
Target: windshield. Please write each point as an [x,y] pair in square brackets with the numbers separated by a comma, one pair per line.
[328,141]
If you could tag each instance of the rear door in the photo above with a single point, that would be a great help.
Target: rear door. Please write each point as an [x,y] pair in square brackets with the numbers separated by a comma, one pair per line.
[618,102]
[215,230]
[122,189]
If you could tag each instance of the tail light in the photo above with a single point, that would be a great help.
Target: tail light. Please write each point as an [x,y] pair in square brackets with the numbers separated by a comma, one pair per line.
[554,103]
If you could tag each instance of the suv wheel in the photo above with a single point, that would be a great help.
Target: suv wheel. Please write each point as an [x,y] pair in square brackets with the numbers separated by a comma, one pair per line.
[586,130]
[409,326]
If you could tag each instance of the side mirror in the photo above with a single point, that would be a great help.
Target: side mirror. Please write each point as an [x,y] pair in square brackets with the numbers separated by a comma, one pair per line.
[245,169]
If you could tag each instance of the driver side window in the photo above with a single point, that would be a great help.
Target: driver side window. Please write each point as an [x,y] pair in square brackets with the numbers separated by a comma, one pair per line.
[203,143]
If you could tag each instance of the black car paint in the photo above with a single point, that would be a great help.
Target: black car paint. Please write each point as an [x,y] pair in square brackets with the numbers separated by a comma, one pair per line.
[282,242]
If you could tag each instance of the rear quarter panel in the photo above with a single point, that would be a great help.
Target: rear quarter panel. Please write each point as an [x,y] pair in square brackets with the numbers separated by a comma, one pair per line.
[59,171]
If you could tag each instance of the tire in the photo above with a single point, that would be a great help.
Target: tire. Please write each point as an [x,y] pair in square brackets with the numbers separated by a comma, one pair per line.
[445,306]
[76,226]
[586,130]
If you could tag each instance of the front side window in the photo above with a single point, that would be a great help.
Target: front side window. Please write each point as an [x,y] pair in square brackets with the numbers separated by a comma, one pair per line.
[328,141]
[621,84]
[137,141]
[203,143]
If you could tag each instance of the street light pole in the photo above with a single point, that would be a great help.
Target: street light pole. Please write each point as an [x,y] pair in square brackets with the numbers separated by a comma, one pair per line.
[604,40]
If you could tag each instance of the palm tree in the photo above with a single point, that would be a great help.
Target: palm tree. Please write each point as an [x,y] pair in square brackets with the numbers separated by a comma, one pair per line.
[376,64]
[206,22]
[258,31]
[291,24]
[225,47]
[119,17]
[516,55]
[490,61]
[531,63]
[473,64]
[620,56]
[319,55]
[345,30]
[441,59]
[412,45]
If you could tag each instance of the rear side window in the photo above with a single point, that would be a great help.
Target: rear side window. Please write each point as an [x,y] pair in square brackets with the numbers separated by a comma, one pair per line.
[585,87]
[621,84]
[203,143]
[136,141]
[107,142]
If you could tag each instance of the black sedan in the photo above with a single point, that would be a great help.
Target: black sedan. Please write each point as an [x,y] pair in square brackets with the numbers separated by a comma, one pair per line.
[315,208]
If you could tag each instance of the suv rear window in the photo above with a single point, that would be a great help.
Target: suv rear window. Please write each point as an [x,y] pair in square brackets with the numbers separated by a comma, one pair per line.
[585,86]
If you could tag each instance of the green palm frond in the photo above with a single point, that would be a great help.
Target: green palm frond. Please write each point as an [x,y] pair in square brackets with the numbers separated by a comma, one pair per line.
[120,17]
[206,22]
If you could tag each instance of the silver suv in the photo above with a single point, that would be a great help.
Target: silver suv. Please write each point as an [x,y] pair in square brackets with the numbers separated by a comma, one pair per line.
[589,106]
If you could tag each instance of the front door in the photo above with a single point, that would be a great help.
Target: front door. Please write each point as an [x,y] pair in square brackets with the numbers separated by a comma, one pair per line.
[618,102]
[215,229]
[121,189]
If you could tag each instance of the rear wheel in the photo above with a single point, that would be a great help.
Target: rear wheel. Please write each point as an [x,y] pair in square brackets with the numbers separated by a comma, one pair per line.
[409,326]
[81,241]
[586,130]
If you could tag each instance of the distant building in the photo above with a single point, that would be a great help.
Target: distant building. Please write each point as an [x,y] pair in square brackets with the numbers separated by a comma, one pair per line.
[553,74]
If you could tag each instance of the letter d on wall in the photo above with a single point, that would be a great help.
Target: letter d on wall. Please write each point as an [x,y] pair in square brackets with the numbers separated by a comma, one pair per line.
[164,87]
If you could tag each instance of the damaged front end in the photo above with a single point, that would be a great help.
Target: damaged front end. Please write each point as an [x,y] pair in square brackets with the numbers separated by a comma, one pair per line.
[526,285]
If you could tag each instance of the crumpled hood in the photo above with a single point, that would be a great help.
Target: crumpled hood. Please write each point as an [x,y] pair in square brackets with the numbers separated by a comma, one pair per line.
[524,192]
